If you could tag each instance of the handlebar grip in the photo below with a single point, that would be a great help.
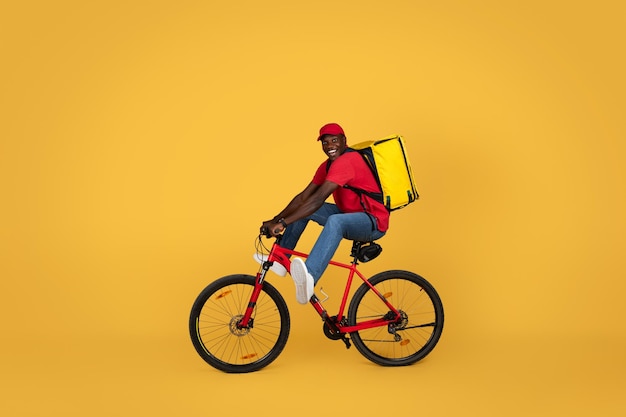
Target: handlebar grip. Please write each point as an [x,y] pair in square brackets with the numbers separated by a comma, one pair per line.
[266,232]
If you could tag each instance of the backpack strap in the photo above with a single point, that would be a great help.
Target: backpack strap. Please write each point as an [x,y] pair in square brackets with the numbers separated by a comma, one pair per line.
[360,192]
[371,194]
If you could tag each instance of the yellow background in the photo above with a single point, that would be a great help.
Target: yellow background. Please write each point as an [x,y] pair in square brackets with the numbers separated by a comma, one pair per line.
[143,142]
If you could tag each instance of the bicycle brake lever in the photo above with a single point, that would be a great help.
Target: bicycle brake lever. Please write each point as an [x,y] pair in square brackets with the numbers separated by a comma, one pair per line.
[265,232]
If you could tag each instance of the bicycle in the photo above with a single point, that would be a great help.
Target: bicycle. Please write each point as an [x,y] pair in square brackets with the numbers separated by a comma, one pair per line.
[240,323]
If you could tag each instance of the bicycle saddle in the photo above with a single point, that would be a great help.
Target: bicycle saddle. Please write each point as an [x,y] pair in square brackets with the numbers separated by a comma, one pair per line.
[366,251]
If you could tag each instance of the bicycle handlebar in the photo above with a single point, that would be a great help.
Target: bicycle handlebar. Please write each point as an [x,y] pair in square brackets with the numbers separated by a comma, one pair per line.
[266,232]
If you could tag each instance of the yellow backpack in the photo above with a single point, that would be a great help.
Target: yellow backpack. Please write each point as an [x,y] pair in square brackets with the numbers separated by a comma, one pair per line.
[389,162]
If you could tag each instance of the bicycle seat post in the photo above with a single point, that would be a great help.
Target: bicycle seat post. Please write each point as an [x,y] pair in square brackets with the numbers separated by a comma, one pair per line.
[354,253]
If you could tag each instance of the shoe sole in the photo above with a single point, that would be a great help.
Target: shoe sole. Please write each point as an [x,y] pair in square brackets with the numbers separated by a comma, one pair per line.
[276,267]
[304,285]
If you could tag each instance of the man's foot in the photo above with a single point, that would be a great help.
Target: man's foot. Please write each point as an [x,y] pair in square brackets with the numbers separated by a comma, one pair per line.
[303,280]
[277,267]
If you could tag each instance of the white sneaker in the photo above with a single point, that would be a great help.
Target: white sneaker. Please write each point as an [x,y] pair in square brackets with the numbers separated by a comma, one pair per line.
[276,267]
[303,280]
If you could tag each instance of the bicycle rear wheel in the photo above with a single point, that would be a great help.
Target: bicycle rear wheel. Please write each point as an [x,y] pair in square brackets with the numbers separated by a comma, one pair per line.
[417,332]
[218,339]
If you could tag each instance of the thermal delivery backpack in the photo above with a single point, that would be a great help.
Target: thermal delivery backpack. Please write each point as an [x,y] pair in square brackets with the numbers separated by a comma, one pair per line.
[389,162]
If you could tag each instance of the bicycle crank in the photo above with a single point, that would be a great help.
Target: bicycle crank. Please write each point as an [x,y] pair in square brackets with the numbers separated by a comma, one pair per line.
[333,333]
[330,328]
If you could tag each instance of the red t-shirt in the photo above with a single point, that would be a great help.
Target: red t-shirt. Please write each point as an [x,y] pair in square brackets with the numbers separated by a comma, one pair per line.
[350,169]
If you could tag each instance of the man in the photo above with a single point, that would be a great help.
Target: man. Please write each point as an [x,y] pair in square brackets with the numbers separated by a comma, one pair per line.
[354,216]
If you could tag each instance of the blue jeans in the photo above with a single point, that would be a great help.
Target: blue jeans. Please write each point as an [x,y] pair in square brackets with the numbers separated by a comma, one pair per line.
[337,226]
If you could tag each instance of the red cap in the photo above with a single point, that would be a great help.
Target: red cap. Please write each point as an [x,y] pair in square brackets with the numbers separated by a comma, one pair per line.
[330,129]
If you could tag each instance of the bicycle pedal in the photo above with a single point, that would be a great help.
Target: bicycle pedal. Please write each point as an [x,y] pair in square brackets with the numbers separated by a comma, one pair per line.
[346,341]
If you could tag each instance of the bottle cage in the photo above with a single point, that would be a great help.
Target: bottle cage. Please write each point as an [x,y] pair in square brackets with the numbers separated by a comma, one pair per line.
[368,251]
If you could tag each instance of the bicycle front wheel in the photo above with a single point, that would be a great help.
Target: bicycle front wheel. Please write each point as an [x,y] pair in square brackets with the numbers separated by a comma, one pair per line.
[214,330]
[414,335]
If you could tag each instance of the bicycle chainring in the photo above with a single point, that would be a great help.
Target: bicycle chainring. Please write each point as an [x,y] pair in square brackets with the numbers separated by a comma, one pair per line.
[331,333]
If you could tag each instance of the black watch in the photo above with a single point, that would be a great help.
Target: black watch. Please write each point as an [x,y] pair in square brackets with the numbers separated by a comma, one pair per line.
[282,221]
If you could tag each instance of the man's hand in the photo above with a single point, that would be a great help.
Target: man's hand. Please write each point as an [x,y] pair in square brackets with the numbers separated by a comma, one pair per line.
[274,228]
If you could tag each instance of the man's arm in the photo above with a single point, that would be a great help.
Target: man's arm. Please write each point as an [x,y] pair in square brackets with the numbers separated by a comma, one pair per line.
[297,201]
[302,205]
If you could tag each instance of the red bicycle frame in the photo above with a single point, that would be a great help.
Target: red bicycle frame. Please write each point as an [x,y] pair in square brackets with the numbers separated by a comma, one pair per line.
[280,254]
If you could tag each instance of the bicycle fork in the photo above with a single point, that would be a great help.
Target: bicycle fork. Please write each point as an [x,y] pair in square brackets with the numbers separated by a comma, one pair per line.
[247,321]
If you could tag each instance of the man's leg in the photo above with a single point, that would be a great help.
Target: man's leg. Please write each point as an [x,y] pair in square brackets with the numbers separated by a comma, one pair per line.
[352,226]
[293,231]
[292,234]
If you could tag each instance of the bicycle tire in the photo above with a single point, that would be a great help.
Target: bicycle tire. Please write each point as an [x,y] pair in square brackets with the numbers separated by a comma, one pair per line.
[213,330]
[418,333]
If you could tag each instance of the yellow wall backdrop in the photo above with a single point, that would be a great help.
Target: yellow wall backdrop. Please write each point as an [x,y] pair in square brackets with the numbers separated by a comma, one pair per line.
[143,142]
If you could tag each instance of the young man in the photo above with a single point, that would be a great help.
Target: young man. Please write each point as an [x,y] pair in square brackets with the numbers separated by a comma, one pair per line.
[353,216]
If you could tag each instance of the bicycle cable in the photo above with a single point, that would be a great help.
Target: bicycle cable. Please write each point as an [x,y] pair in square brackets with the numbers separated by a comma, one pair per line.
[260,247]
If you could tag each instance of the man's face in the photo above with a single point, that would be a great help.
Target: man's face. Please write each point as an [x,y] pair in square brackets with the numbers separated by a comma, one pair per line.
[333,146]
